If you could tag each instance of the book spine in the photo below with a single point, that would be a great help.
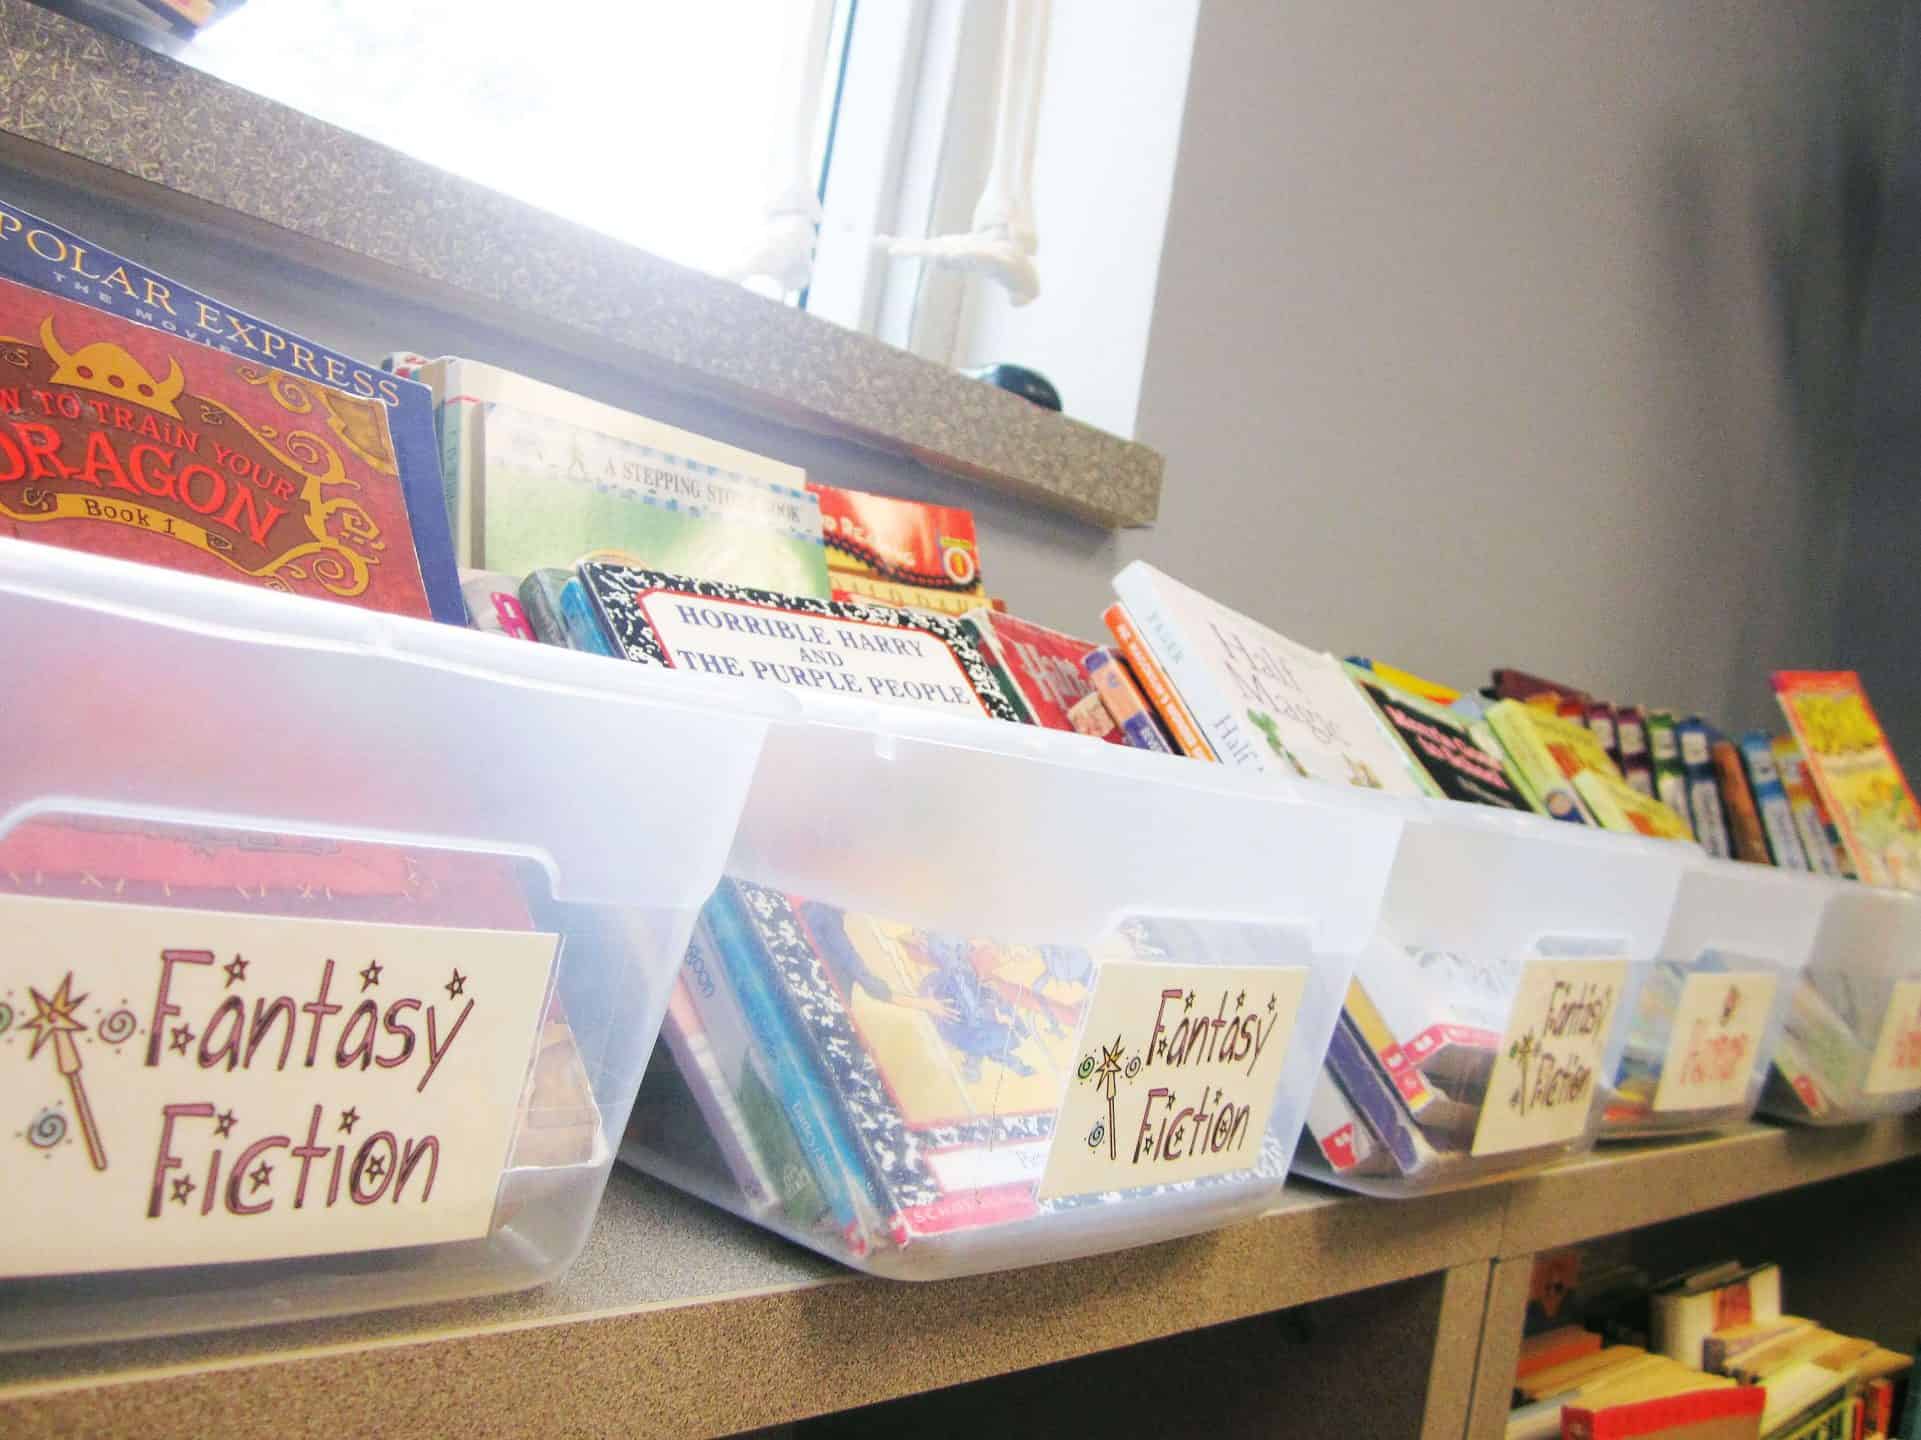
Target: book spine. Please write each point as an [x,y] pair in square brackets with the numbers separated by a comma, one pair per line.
[540,600]
[1377,1101]
[832,1154]
[1670,776]
[1535,765]
[1704,794]
[687,1042]
[1160,690]
[585,628]
[1744,820]
[1124,701]
[1637,766]
[1771,800]
[988,643]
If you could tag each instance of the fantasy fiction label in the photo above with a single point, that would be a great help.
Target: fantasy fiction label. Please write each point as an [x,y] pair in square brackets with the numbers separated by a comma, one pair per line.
[1896,1067]
[1178,1075]
[188,1087]
[1546,1071]
[1716,1040]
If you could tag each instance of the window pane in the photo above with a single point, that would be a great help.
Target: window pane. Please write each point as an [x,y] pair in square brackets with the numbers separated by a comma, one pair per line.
[650,120]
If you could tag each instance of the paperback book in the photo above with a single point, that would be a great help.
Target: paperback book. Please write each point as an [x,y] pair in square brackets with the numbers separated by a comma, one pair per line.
[1441,748]
[1856,774]
[903,553]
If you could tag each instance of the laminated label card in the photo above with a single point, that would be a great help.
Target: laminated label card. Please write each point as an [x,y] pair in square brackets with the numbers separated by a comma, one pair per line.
[1545,1072]
[1717,1036]
[1177,1075]
[1896,1067]
[182,1087]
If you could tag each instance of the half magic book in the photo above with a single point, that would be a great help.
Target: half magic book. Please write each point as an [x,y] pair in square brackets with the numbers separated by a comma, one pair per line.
[142,419]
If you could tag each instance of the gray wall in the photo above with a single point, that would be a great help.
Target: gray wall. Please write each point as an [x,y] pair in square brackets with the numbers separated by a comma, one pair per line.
[1509,332]
[1486,333]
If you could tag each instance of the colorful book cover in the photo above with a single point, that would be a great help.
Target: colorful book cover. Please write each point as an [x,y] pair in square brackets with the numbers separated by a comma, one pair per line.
[1810,826]
[493,604]
[154,422]
[1134,717]
[946,1057]
[1090,716]
[1043,665]
[1520,685]
[873,652]
[1855,773]
[904,553]
[1442,748]
[1771,800]
[1523,732]
[1617,805]
[1706,809]
[1263,702]
[1670,775]
[1174,716]
[128,441]
[1744,816]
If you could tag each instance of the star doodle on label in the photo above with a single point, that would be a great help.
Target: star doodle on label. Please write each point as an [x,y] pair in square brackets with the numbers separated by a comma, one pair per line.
[260,1175]
[349,1118]
[1240,1001]
[183,1188]
[370,977]
[1188,1004]
[236,969]
[182,1038]
[376,1166]
[223,1124]
[457,986]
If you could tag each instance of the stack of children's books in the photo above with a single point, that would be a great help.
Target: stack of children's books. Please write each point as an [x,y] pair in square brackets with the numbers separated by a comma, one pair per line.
[1706,1355]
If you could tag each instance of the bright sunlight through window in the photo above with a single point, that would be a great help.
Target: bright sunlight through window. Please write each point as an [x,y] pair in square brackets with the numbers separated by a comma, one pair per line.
[648,120]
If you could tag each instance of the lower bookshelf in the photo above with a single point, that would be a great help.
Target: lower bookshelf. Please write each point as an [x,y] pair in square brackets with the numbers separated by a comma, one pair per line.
[679,1320]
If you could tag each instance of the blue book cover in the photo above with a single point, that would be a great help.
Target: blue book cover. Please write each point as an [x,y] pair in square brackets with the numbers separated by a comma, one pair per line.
[1351,1064]
[1704,791]
[1771,800]
[39,254]
[831,1151]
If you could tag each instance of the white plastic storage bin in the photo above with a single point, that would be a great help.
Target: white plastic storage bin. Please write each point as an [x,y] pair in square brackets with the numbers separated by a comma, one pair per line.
[332,944]
[1484,1017]
[1850,1045]
[977,996]
[1701,1023]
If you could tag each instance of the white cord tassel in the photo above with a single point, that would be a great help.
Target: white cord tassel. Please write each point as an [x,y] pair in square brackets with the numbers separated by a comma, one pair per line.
[785,253]
[1003,242]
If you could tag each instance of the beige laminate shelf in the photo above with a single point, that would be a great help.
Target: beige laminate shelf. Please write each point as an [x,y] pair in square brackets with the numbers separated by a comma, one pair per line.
[679,1320]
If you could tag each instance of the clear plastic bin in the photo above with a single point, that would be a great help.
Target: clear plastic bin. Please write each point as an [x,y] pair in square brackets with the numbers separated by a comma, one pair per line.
[1702,1022]
[1850,1043]
[332,944]
[1484,1016]
[978,996]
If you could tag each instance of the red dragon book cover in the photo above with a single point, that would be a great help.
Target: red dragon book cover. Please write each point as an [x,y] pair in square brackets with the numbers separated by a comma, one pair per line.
[124,440]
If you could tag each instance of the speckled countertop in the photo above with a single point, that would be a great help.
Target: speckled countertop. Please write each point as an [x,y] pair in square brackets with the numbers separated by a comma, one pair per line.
[332,199]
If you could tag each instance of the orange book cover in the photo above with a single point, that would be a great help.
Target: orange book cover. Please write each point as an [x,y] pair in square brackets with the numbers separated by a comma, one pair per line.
[1160,690]
[1855,773]
[1731,1413]
[1555,1347]
[1744,819]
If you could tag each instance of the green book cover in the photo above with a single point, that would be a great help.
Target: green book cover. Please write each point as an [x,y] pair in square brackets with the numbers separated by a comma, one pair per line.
[546,492]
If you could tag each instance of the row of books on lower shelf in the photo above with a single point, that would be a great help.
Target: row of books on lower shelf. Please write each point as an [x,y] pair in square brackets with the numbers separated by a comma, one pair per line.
[1704,1355]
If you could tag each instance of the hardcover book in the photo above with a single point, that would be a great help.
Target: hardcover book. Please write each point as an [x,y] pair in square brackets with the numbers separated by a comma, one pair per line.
[1043,665]
[900,552]
[146,420]
[1261,701]
[1856,774]
[873,652]
[1442,748]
